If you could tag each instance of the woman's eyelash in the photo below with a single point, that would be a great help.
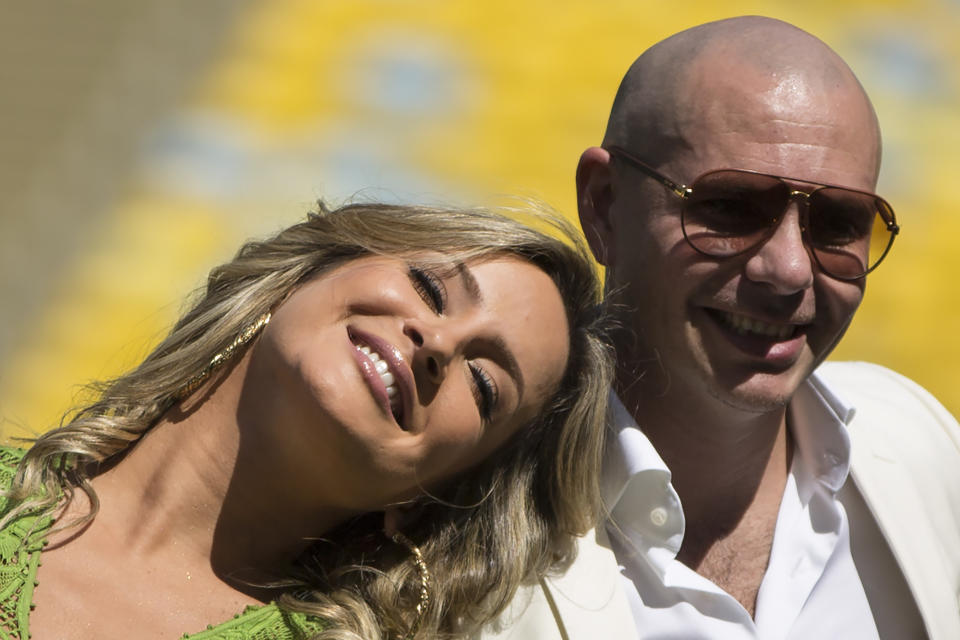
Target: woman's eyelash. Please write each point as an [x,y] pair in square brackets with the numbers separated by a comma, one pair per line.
[485,391]
[430,288]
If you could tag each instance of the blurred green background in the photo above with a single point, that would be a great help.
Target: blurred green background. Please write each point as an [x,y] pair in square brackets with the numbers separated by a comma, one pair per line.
[143,142]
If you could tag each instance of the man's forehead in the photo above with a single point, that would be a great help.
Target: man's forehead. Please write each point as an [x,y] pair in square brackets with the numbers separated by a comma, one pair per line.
[743,115]
[747,98]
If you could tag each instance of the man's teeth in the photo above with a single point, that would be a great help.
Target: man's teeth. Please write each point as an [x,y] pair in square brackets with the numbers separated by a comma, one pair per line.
[381,366]
[744,325]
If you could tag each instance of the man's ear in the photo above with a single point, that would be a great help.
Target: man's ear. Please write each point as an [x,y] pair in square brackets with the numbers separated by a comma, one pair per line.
[594,198]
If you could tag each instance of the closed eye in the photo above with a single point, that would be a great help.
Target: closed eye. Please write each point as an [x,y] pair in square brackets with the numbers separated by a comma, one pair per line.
[485,391]
[430,288]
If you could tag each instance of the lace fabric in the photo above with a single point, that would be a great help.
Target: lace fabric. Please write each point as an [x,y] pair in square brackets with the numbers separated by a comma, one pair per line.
[20,545]
[268,622]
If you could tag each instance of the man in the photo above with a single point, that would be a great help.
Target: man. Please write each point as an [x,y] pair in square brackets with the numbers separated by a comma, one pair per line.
[731,203]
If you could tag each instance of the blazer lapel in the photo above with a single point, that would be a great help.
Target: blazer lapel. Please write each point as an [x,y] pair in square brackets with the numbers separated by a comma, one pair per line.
[888,489]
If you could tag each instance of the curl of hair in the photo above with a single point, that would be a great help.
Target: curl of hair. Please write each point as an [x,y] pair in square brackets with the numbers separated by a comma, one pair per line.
[507,521]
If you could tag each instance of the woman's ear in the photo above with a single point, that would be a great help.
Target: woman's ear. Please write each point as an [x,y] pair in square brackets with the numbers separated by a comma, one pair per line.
[402,516]
[594,199]
[393,520]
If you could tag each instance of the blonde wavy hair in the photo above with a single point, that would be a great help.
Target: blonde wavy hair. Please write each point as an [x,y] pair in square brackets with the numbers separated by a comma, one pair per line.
[509,520]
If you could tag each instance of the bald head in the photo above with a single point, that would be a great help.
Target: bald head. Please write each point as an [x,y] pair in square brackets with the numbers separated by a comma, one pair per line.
[743,70]
[752,94]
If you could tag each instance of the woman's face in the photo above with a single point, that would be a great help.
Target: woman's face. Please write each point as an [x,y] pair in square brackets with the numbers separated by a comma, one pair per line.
[385,376]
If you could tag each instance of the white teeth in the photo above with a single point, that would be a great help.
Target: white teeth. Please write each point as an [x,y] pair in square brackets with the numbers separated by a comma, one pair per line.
[384,370]
[744,325]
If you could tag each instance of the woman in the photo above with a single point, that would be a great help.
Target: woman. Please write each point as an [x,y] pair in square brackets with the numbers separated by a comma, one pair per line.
[433,375]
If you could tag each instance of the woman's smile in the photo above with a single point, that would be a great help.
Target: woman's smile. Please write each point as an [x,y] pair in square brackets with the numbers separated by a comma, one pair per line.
[458,356]
[386,372]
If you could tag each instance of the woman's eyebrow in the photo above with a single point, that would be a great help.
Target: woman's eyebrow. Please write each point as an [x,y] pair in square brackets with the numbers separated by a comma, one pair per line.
[502,353]
[469,283]
[505,358]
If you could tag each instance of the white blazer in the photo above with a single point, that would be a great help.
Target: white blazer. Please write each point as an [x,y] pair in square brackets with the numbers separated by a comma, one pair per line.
[905,450]
[904,501]
[585,602]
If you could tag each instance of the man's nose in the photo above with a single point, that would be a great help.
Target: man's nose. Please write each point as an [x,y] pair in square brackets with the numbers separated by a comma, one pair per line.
[783,261]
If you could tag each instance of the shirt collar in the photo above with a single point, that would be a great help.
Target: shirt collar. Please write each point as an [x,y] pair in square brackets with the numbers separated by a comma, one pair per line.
[628,453]
[642,504]
[818,420]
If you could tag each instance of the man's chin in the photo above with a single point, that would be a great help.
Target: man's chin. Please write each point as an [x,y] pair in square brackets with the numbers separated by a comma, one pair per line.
[754,385]
[761,393]
[751,402]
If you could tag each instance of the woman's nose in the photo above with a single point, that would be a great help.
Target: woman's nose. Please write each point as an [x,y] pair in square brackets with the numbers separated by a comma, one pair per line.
[433,348]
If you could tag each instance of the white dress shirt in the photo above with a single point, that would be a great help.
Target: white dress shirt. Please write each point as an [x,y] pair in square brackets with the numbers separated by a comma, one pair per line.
[811,588]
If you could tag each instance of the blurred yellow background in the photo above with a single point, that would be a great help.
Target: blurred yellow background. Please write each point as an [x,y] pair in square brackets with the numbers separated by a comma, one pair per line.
[143,142]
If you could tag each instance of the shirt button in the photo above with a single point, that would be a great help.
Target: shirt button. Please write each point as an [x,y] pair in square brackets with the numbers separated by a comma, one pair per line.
[658,516]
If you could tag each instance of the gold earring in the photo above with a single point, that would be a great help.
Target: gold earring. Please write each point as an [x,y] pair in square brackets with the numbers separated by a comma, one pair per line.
[401,539]
[221,357]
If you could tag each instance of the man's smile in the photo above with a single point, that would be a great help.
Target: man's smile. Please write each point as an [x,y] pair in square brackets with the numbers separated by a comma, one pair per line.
[776,343]
[744,325]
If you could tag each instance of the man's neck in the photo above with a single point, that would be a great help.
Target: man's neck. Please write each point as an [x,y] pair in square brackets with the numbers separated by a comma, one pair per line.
[723,461]
[729,468]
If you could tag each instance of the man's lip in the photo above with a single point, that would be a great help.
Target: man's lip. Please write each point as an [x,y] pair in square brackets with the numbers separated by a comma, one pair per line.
[774,349]
[396,364]
[733,319]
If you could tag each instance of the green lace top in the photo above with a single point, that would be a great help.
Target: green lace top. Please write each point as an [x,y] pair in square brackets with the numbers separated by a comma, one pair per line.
[23,539]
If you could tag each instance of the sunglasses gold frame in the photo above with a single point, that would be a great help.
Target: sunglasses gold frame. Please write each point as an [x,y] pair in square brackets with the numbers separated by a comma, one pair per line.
[684,192]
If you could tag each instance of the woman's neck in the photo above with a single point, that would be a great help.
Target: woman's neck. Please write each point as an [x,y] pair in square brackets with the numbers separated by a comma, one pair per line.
[189,493]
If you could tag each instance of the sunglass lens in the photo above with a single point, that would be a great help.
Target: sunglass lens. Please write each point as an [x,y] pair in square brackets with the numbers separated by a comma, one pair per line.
[848,230]
[730,211]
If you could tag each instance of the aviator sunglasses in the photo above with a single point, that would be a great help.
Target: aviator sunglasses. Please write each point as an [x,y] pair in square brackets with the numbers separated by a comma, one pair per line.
[726,212]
